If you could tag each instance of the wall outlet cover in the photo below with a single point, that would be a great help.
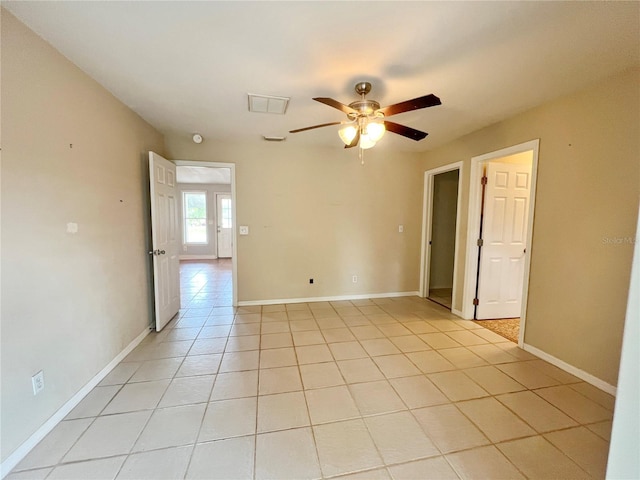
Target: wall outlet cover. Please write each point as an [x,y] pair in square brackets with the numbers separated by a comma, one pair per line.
[37,381]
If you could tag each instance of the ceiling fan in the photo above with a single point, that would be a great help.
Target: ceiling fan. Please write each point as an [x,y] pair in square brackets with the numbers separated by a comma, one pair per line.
[366,122]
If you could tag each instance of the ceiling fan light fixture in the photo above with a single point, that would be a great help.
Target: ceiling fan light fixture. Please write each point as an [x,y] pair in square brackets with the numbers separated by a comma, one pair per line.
[375,130]
[366,142]
[347,133]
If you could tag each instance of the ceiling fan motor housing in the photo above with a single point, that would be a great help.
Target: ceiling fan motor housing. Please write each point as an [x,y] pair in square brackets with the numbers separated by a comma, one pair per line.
[364,107]
[362,88]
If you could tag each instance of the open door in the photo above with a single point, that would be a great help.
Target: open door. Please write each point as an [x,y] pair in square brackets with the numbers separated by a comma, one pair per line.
[165,239]
[504,240]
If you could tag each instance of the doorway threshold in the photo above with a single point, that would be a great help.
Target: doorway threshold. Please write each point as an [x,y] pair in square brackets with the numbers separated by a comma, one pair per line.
[508,328]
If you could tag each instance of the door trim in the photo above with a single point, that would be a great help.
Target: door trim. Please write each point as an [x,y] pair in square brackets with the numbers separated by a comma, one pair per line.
[234,248]
[427,214]
[473,227]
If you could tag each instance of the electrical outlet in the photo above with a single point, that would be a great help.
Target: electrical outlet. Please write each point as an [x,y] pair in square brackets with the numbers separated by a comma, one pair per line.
[354,279]
[400,228]
[37,381]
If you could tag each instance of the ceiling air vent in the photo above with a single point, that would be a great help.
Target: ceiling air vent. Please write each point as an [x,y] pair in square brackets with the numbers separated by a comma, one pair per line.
[268,104]
[272,138]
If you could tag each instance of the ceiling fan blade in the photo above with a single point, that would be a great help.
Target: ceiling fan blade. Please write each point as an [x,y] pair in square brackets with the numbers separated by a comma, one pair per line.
[405,131]
[315,126]
[336,104]
[355,140]
[415,104]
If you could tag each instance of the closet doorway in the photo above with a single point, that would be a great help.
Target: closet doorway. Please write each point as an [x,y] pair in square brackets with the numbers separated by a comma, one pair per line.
[440,234]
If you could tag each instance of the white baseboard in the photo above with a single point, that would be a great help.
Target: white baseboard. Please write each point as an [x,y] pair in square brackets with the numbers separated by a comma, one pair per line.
[575,371]
[458,313]
[197,257]
[22,451]
[278,301]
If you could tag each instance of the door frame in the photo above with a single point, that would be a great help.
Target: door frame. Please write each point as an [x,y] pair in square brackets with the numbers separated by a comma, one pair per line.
[427,219]
[234,249]
[473,227]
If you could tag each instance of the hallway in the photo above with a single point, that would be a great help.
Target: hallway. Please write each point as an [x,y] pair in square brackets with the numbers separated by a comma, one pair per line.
[206,284]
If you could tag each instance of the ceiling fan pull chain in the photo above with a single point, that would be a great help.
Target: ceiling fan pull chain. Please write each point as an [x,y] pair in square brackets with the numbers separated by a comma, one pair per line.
[361,154]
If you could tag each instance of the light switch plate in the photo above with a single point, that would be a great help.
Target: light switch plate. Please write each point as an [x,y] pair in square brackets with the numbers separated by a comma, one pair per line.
[244,230]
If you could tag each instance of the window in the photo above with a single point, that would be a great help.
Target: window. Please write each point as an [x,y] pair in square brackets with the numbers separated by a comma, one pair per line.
[195,217]
[225,206]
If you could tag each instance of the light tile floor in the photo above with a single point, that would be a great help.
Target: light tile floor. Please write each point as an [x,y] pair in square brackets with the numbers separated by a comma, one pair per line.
[370,389]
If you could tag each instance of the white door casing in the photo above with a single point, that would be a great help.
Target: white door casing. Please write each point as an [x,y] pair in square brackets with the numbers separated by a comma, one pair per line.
[225,225]
[427,209]
[165,238]
[504,234]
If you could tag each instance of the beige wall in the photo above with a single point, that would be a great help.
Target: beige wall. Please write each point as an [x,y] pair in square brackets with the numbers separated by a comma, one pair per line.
[587,192]
[70,302]
[317,213]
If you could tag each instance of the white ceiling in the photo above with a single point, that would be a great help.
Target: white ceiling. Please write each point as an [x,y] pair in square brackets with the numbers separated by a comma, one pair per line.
[205,175]
[187,66]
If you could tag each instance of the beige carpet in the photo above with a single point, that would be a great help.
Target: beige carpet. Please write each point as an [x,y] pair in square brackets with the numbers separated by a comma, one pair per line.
[509,328]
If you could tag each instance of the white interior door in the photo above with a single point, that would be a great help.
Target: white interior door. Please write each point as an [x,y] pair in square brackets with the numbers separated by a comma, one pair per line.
[504,233]
[165,238]
[225,225]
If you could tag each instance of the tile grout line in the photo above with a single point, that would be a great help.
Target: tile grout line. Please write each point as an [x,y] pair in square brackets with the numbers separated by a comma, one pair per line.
[306,404]
[150,416]
[204,415]
[255,436]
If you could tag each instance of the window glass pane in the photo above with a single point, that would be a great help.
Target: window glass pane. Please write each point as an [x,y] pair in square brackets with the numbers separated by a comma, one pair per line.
[196,205]
[226,212]
[196,231]
[195,217]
